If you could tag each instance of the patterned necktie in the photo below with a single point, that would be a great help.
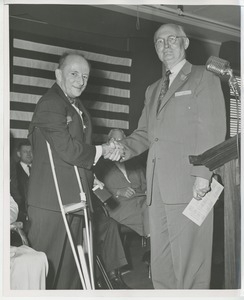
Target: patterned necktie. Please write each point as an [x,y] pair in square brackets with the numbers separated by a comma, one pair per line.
[164,88]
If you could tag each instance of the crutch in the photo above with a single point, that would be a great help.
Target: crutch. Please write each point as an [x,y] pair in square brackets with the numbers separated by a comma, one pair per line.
[88,232]
[64,210]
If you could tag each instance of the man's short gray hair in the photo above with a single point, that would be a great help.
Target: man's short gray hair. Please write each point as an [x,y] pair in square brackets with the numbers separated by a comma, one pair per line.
[179,28]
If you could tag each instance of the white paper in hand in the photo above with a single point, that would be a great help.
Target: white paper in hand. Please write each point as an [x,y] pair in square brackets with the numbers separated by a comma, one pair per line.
[197,210]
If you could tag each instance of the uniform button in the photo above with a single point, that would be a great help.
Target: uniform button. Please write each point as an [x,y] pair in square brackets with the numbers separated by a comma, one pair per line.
[156,139]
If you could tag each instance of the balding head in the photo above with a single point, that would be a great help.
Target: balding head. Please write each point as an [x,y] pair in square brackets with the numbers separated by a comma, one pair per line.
[116,134]
[72,74]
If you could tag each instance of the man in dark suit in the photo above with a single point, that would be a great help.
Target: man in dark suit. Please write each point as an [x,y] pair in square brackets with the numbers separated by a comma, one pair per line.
[126,181]
[19,176]
[61,120]
[185,119]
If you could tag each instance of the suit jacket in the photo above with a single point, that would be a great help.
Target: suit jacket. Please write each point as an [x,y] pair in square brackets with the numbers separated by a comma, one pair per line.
[55,120]
[19,187]
[191,119]
[114,179]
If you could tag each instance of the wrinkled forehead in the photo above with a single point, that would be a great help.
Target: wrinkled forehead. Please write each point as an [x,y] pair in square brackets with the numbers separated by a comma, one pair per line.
[166,30]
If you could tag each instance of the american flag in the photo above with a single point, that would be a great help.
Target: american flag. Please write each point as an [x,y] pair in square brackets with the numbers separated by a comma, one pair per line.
[33,61]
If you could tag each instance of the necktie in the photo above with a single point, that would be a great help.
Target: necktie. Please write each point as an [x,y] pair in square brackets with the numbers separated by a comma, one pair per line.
[164,88]
[29,167]
[80,114]
[73,101]
[122,168]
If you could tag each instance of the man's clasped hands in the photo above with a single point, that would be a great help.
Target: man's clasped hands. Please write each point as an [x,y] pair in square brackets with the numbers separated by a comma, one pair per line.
[113,150]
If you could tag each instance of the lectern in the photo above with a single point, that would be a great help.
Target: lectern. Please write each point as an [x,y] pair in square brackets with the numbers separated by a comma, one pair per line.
[223,160]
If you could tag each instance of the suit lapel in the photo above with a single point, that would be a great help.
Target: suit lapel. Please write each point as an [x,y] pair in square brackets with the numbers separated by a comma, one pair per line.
[87,121]
[180,79]
[22,171]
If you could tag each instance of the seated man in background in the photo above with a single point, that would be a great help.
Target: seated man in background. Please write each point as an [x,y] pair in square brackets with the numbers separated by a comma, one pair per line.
[28,268]
[127,184]
[20,179]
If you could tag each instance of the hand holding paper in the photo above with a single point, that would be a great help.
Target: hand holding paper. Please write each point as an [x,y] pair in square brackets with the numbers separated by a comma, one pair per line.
[196,210]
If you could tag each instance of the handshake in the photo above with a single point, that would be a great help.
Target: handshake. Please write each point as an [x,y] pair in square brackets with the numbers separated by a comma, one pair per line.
[113,150]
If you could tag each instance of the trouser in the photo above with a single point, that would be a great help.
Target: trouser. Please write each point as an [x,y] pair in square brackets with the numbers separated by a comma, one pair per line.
[133,213]
[47,233]
[181,251]
[108,242]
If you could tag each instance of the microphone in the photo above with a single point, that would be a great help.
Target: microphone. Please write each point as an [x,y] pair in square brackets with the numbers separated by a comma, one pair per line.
[218,65]
[222,67]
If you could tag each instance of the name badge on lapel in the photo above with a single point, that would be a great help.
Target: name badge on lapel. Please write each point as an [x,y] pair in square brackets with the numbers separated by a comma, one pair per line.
[183,93]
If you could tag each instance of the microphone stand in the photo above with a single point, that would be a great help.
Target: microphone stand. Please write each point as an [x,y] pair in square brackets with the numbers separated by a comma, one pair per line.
[234,84]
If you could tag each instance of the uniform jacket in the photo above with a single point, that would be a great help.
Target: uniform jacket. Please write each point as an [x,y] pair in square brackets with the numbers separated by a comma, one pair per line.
[56,121]
[191,119]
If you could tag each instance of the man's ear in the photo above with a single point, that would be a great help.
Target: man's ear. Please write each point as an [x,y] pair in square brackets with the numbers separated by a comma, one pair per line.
[186,43]
[58,74]
[18,154]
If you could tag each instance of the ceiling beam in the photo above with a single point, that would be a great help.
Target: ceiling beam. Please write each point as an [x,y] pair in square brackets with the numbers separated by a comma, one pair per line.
[164,14]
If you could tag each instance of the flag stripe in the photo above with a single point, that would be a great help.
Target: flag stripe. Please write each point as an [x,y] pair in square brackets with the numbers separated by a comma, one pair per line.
[101,130]
[110,123]
[24,98]
[106,106]
[20,106]
[19,133]
[21,115]
[16,124]
[108,115]
[34,90]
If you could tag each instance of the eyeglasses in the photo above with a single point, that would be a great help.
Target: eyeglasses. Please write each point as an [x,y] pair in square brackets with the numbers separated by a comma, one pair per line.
[171,40]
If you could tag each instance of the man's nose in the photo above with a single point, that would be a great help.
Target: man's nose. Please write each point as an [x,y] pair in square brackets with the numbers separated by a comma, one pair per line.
[80,80]
[166,43]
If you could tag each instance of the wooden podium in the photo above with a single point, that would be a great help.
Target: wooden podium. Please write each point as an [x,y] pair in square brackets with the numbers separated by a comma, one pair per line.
[223,160]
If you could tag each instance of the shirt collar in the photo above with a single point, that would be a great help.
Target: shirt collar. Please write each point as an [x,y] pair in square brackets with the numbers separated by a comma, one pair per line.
[176,69]
[25,167]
